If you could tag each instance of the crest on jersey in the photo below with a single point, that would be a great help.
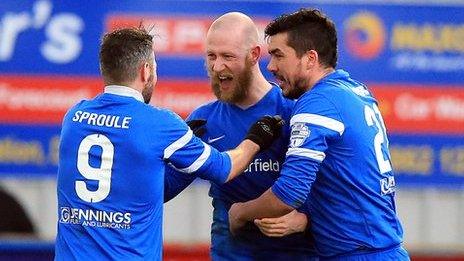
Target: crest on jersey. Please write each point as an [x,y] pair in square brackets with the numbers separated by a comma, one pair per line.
[299,134]
[387,185]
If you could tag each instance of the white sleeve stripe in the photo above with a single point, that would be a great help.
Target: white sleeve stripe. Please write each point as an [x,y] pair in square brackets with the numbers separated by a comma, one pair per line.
[315,119]
[178,144]
[199,162]
[312,154]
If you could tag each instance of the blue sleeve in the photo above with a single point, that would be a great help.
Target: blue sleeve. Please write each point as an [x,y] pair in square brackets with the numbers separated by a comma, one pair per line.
[175,182]
[304,208]
[315,123]
[188,154]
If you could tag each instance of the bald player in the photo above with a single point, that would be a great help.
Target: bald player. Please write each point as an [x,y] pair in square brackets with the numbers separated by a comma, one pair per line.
[113,156]
[243,96]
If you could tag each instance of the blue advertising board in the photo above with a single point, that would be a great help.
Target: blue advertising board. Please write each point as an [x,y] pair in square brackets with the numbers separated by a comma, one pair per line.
[381,43]
[415,64]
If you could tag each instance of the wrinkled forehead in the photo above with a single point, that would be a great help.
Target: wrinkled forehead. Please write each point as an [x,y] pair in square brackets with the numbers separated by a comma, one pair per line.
[225,38]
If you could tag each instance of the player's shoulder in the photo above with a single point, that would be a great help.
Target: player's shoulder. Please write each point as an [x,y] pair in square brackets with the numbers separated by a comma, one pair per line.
[71,111]
[316,102]
[78,105]
[205,110]
[336,88]
[312,96]
[163,115]
[339,84]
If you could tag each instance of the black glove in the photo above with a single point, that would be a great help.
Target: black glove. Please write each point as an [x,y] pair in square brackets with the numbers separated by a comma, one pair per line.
[265,131]
[197,126]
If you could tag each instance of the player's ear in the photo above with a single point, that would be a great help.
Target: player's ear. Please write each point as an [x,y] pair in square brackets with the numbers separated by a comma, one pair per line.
[145,71]
[311,59]
[255,53]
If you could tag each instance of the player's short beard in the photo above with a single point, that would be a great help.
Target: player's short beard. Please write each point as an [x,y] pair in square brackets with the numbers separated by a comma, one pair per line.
[298,89]
[148,89]
[239,91]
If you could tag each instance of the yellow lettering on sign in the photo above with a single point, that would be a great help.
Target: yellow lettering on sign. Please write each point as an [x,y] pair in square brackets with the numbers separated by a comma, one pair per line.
[412,159]
[14,151]
[53,148]
[452,160]
[403,37]
[437,38]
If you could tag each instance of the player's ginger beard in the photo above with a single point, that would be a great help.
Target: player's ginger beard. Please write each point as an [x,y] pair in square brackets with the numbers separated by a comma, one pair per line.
[239,91]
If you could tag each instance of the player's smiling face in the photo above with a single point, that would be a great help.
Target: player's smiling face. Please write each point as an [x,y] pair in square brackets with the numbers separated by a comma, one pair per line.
[286,66]
[228,65]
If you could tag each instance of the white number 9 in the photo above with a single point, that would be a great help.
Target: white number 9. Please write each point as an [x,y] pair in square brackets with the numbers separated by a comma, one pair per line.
[101,174]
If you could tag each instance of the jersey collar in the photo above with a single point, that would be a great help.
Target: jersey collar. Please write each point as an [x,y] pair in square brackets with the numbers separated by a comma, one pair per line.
[124,91]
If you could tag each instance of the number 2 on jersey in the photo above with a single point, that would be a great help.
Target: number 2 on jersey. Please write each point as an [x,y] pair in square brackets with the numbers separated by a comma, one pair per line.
[380,137]
[101,174]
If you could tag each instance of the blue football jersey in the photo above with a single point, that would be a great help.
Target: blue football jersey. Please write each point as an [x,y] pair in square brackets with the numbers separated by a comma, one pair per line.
[112,157]
[338,152]
[226,126]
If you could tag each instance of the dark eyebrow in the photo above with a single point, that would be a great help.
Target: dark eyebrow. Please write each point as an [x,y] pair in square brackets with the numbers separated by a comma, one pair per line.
[274,51]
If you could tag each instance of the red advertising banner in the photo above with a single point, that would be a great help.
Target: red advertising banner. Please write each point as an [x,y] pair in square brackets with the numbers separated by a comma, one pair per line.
[45,99]
[42,99]
[182,96]
[419,109]
[176,35]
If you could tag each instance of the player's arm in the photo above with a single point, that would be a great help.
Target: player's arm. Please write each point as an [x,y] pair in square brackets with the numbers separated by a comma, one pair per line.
[189,155]
[293,222]
[289,192]
[260,136]
[311,132]
[175,181]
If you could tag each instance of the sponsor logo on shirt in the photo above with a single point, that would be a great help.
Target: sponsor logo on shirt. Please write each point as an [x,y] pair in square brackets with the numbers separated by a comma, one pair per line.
[299,134]
[387,185]
[95,218]
[258,165]
[213,139]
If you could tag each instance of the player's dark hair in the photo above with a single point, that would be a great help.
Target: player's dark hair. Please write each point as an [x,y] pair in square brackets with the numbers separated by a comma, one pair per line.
[308,29]
[122,52]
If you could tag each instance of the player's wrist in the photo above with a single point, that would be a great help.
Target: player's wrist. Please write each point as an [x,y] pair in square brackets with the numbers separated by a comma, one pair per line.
[301,222]
[250,145]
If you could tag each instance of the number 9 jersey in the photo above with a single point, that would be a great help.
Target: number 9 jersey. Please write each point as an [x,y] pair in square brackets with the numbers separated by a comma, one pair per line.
[112,158]
[338,166]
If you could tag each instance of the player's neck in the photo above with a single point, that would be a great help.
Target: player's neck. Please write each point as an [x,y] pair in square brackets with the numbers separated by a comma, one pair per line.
[258,88]
[136,85]
[319,74]
[132,85]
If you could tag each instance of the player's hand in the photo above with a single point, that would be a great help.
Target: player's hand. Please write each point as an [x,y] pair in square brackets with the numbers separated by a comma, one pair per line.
[197,126]
[265,131]
[235,222]
[290,223]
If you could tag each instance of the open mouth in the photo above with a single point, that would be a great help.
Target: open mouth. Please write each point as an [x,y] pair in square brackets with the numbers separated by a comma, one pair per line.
[225,81]
[224,78]
[279,79]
